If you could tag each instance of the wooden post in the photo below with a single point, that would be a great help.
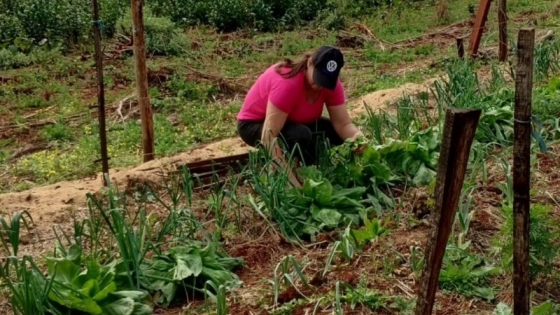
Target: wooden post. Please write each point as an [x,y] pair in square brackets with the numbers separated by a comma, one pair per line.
[522,171]
[100,93]
[458,135]
[460,47]
[142,80]
[478,27]
[502,22]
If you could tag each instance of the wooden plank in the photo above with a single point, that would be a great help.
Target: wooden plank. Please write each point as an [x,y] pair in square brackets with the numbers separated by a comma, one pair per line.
[204,172]
[502,23]
[221,160]
[458,135]
[478,28]
[100,93]
[146,113]
[460,47]
[522,171]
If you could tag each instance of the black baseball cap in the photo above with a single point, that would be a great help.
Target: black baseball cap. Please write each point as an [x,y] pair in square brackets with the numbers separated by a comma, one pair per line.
[327,61]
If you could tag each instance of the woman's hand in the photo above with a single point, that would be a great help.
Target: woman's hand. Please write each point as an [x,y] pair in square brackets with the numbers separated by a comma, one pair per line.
[362,141]
[345,128]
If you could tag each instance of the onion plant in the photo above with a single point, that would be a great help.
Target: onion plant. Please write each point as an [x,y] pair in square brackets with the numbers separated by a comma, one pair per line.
[271,184]
[28,287]
[223,201]
[546,59]
[10,233]
[284,276]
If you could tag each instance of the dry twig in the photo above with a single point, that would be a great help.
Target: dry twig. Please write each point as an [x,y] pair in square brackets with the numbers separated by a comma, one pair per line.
[364,29]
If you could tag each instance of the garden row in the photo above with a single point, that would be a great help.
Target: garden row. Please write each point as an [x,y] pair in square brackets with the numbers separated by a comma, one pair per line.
[121,260]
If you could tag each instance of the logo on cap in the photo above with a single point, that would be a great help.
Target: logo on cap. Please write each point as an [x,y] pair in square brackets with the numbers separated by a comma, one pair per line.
[332,65]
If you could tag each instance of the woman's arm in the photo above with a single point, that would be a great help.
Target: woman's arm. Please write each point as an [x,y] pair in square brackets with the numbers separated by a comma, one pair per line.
[342,123]
[338,113]
[344,126]
[273,123]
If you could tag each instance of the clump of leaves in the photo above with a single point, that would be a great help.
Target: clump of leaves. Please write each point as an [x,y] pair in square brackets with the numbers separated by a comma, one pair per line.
[319,206]
[467,273]
[190,267]
[351,170]
[93,290]
[363,296]
[370,232]
[413,160]
[546,308]
[544,234]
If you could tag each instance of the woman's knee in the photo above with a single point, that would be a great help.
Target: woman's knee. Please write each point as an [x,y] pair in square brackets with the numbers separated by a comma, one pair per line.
[296,139]
[250,132]
[297,134]
[325,126]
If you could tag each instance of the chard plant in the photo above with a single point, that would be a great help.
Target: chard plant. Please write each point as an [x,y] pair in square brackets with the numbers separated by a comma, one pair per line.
[189,268]
[320,206]
[94,290]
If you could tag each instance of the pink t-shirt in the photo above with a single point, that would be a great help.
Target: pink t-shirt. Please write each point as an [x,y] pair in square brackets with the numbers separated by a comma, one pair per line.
[289,96]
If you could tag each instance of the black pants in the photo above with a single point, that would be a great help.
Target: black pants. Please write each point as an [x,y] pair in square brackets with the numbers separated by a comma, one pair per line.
[305,141]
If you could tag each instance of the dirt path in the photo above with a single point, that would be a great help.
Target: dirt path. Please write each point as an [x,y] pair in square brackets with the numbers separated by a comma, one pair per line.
[50,204]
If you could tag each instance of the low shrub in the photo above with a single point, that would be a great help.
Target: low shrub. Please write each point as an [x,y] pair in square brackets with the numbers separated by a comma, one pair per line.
[162,36]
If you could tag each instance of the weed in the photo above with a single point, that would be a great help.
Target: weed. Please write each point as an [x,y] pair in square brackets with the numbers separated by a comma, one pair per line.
[370,299]
[57,132]
[546,100]
[467,273]
[543,237]
[13,60]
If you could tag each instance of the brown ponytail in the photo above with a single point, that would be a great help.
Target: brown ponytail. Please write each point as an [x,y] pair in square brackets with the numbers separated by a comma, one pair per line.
[297,67]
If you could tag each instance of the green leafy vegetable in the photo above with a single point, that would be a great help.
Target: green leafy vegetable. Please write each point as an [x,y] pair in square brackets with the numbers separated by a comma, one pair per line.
[318,206]
[191,266]
[92,290]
